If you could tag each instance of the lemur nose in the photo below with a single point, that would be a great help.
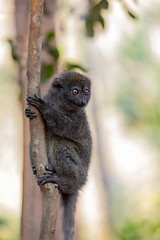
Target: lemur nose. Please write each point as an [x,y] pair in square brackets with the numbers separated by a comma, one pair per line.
[83,102]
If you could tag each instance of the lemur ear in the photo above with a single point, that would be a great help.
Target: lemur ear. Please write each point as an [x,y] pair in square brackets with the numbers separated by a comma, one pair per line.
[57,82]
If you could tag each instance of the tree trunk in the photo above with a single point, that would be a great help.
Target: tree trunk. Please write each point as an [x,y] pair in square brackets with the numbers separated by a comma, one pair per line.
[31,197]
[31,204]
[37,130]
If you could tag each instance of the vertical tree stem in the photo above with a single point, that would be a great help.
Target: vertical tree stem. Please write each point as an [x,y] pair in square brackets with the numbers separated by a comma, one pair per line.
[37,130]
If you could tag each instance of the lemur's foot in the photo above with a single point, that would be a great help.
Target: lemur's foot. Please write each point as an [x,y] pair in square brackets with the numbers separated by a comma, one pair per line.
[30,114]
[49,175]
[49,167]
[34,170]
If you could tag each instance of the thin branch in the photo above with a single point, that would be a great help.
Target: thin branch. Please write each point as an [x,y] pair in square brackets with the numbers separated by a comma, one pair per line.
[37,130]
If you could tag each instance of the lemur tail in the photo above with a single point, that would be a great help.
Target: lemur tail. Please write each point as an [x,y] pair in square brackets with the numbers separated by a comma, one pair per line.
[69,207]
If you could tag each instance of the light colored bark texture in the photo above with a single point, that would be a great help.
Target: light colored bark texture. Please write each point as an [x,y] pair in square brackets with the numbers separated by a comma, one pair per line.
[49,191]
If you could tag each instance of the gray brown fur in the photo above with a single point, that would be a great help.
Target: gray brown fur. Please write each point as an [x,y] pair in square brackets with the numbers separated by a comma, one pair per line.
[68,139]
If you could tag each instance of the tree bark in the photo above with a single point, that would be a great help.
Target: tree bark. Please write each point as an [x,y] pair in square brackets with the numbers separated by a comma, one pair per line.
[31,199]
[49,191]
[31,196]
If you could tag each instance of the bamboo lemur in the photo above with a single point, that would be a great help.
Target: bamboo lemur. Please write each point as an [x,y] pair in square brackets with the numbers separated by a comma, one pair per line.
[68,139]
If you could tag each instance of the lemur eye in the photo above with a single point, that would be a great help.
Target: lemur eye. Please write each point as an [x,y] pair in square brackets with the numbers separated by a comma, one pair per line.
[75,91]
[86,92]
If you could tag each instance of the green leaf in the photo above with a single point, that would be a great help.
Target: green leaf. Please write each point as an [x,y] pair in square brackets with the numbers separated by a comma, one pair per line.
[101,21]
[89,28]
[47,71]
[13,49]
[71,66]
[94,15]
[54,52]
[50,36]
[132,15]
[103,4]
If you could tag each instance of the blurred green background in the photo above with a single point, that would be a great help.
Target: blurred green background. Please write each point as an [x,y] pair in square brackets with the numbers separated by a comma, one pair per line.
[117,45]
